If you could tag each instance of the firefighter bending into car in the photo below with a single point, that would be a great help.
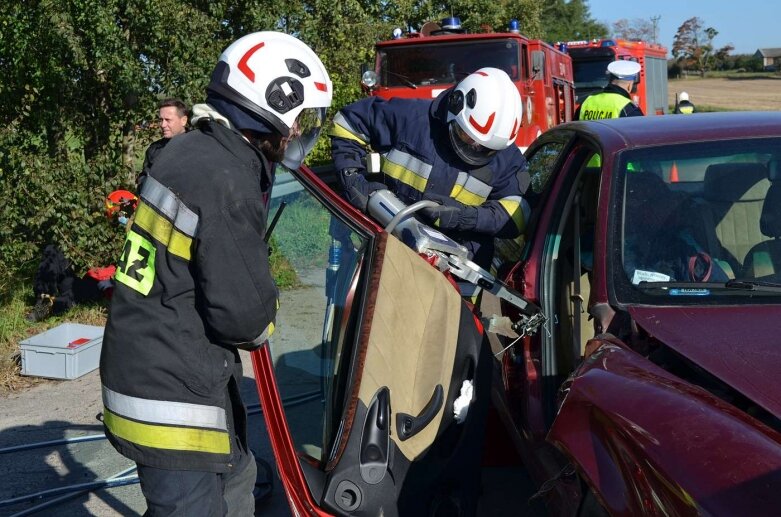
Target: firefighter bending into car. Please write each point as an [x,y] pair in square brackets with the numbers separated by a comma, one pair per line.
[193,285]
[615,100]
[457,150]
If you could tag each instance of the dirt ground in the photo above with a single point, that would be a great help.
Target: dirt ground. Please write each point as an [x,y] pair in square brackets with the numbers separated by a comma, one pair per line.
[729,93]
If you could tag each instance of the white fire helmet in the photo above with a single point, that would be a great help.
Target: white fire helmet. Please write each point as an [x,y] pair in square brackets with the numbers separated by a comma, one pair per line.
[683,97]
[279,79]
[484,114]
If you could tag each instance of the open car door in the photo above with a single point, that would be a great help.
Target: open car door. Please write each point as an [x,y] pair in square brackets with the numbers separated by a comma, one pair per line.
[358,382]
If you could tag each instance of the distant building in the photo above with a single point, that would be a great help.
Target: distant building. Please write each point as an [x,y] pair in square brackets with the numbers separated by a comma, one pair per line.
[771,58]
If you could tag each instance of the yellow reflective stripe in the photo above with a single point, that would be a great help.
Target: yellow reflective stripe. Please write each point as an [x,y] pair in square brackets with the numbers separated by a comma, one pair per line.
[404,175]
[340,132]
[163,231]
[462,195]
[164,437]
[515,209]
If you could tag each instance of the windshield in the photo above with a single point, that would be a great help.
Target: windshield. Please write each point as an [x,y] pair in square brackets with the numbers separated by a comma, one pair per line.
[700,220]
[445,63]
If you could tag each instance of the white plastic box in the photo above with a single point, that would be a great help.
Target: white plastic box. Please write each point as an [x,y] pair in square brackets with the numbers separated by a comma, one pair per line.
[67,351]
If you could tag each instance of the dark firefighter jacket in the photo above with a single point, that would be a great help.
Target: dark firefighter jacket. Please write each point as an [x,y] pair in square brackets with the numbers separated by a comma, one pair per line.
[193,286]
[612,102]
[416,157]
[149,158]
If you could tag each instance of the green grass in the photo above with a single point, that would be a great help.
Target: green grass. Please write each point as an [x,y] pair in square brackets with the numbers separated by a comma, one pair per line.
[302,233]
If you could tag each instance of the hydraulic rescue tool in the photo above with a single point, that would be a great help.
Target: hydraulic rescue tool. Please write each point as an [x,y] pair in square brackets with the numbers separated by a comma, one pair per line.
[447,255]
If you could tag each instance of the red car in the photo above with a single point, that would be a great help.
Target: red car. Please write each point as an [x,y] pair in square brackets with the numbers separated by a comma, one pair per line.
[654,260]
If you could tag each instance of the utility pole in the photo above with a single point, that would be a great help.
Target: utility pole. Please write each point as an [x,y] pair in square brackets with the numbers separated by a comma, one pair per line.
[655,24]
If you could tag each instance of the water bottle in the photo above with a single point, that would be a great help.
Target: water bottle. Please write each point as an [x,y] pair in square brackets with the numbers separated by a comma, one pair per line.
[334,258]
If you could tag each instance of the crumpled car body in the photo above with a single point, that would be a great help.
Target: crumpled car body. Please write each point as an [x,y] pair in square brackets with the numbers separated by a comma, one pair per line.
[654,254]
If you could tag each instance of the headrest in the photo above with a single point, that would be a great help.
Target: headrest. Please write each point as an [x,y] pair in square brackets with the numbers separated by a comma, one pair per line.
[770,220]
[650,201]
[735,182]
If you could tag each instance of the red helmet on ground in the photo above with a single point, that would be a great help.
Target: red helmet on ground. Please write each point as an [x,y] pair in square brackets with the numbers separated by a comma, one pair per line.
[121,204]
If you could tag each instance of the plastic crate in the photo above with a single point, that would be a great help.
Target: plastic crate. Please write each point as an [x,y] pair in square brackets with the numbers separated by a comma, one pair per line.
[67,351]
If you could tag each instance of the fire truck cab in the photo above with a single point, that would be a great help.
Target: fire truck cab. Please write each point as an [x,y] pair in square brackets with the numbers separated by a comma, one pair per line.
[423,64]
[590,60]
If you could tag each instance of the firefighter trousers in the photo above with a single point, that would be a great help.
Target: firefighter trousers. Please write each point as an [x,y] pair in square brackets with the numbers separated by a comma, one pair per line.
[181,493]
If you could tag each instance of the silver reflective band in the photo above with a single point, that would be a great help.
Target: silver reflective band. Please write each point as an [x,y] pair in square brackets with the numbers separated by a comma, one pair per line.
[160,197]
[164,412]
[409,162]
[477,187]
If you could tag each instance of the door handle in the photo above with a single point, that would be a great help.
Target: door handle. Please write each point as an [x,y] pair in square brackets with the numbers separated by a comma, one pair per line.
[375,439]
[408,426]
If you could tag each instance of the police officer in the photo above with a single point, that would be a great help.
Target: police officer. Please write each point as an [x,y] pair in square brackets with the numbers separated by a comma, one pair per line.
[614,100]
[684,105]
[193,285]
[458,150]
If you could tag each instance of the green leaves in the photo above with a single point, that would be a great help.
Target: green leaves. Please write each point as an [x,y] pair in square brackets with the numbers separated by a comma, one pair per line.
[81,78]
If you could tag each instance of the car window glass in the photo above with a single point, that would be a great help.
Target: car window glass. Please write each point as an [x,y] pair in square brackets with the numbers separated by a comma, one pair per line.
[541,165]
[317,259]
[700,213]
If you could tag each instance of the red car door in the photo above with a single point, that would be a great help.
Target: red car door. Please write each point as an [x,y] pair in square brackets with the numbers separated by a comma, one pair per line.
[359,381]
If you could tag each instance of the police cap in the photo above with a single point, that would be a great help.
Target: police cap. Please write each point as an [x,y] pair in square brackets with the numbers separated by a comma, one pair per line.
[624,70]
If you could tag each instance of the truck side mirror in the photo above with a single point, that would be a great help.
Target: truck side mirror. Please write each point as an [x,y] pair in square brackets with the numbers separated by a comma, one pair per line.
[538,65]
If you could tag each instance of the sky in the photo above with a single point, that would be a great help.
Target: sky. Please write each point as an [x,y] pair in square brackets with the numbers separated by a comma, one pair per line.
[746,24]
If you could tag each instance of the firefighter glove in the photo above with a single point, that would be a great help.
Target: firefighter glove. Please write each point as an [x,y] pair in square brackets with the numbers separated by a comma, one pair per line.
[450,214]
[356,188]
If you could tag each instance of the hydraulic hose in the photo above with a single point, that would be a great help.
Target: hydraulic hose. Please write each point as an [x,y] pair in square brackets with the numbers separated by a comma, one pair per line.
[67,497]
[75,439]
[88,487]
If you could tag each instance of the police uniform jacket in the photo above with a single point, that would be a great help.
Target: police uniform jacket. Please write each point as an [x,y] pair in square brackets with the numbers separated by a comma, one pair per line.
[612,102]
[192,286]
[411,135]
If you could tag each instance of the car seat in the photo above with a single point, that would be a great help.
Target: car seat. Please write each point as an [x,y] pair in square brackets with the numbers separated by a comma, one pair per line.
[734,195]
[764,259]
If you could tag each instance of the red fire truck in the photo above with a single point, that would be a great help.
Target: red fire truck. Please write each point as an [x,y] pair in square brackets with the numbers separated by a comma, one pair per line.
[590,60]
[424,64]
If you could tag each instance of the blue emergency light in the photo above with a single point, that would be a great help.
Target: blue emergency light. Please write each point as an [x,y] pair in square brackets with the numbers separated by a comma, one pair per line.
[514,26]
[451,23]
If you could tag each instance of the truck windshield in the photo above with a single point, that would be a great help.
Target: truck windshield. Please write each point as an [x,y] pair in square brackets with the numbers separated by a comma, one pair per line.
[590,73]
[445,63]
[589,68]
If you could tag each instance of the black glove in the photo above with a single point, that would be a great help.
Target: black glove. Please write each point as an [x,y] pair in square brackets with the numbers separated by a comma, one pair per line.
[450,215]
[356,188]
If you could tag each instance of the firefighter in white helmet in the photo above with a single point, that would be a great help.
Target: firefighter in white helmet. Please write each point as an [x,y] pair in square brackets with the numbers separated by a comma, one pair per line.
[193,284]
[684,105]
[458,150]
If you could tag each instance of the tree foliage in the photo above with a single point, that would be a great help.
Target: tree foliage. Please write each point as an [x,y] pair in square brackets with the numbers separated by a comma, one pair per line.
[693,45]
[638,29]
[81,79]
[565,20]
